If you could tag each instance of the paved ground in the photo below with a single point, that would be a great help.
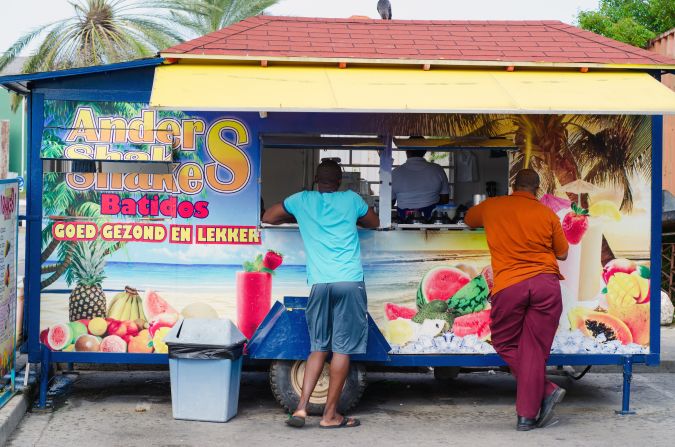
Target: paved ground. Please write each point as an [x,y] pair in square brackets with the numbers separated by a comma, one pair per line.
[134,409]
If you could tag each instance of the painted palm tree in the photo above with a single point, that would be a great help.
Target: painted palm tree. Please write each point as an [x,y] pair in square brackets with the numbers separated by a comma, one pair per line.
[99,32]
[603,150]
[199,17]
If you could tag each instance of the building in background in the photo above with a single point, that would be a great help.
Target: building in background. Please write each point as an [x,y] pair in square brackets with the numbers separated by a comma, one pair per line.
[17,124]
[665,45]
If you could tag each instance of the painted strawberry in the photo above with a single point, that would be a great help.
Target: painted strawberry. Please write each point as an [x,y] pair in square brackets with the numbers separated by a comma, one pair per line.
[272,260]
[575,224]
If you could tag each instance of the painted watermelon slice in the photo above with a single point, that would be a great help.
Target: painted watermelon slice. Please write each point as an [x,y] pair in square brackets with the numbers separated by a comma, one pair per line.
[393,311]
[440,283]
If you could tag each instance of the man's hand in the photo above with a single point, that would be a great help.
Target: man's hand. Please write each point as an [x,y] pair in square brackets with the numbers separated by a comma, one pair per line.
[562,257]
[277,215]
[370,220]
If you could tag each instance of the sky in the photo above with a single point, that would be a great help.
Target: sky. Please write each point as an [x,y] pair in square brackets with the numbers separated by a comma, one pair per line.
[21,16]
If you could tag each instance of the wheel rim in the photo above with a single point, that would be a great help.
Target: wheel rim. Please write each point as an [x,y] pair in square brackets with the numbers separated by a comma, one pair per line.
[320,391]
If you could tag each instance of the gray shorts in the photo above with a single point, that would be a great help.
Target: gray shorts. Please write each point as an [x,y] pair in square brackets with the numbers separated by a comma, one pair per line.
[337,317]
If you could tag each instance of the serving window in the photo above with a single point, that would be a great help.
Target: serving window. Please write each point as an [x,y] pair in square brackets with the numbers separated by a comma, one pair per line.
[475,167]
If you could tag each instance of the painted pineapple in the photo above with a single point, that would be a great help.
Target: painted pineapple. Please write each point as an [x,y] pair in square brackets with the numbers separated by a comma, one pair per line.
[87,299]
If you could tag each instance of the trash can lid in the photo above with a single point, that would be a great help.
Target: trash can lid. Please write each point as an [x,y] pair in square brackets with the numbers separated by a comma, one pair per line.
[205,332]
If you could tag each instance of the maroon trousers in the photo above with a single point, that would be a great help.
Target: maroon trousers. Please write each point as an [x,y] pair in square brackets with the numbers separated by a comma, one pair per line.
[524,320]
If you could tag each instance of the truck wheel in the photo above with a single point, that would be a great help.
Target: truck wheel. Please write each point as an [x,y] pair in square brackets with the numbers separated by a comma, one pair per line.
[446,372]
[286,383]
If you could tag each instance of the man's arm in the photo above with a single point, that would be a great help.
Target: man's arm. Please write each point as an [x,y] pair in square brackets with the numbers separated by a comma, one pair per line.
[276,215]
[474,217]
[560,245]
[370,220]
[445,198]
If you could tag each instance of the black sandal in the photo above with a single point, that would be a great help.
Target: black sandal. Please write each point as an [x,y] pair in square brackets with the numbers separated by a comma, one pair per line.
[346,423]
[295,421]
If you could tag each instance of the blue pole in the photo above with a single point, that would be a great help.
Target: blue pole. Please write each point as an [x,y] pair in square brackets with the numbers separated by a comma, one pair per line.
[44,378]
[627,377]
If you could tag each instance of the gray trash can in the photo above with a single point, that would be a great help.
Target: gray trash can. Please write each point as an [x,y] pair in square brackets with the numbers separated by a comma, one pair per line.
[205,358]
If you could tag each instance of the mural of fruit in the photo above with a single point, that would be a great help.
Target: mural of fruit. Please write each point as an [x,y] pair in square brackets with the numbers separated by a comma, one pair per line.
[77,329]
[116,327]
[434,310]
[59,336]
[98,326]
[87,299]
[155,305]
[166,320]
[87,343]
[142,343]
[127,305]
[393,311]
[575,224]
[113,343]
[605,208]
[199,310]
[468,269]
[43,337]
[69,348]
[623,295]
[592,323]
[619,265]
[471,298]
[489,276]
[272,260]
[440,283]
[477,324]
[158,340]
[399,331]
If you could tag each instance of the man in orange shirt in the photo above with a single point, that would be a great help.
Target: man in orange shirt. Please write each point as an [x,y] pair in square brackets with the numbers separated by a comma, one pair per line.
[525,239]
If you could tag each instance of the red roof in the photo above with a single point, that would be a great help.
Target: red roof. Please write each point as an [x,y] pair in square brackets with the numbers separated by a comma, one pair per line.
[420,40]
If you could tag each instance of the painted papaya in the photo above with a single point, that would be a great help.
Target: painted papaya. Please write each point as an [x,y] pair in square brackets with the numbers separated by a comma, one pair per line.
[592,324]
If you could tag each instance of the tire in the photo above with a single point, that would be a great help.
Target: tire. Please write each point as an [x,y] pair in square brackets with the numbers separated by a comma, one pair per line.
[446,372]
[286,384]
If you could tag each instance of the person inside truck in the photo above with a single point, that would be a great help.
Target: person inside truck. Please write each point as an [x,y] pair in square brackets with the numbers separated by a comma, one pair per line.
[418,185]
[337,307]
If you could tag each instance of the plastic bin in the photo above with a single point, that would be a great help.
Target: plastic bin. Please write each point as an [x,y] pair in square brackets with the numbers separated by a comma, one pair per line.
[205,358]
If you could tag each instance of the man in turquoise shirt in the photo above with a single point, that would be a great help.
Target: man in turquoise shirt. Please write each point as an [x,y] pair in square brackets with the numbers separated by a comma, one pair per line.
[336,310]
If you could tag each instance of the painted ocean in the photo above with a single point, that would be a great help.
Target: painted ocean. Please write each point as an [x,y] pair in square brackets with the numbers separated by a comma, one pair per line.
[180,284]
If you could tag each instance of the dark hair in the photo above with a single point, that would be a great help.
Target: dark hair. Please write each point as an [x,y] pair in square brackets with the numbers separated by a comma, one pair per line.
[526,179]
[415,153]
[329,173]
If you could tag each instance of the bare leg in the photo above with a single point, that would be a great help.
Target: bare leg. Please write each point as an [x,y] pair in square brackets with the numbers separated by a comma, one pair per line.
[313,369]
[339,368]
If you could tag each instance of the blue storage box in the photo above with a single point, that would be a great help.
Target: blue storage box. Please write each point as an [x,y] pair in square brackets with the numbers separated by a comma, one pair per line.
[205,358]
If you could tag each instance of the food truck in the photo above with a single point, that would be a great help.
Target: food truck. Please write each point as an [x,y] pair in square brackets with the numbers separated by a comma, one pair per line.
[148,180]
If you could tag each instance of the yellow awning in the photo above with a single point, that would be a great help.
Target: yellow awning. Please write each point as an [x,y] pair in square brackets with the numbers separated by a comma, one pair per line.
[405,90]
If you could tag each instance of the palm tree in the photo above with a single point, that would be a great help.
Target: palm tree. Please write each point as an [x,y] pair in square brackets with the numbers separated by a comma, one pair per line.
[99,32]
[199,17]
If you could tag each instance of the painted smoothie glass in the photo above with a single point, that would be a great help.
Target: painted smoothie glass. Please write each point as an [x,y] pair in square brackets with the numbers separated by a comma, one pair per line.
[254,298]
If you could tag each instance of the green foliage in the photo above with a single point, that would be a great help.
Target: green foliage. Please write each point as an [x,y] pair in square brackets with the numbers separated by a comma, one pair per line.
[635,22]
[199,17]
[99,32]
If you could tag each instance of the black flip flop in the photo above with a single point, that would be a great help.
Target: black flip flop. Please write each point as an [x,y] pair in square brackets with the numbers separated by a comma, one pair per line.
[346,423]
[295,421]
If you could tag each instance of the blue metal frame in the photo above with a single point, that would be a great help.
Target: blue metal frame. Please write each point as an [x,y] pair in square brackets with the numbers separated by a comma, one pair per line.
[18,83]
[34,225]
